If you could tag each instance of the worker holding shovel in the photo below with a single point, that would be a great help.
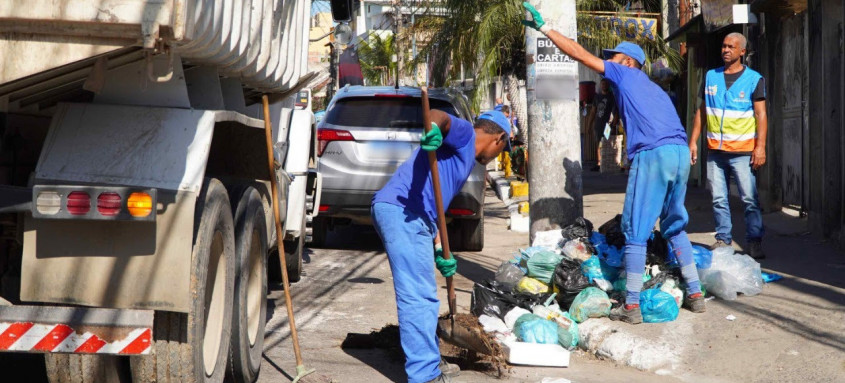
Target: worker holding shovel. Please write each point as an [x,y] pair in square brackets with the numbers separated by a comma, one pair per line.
[659,158]
[405,216]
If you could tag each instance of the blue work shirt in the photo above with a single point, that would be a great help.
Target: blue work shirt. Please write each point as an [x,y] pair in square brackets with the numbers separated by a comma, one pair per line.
[410,187]
[647,111]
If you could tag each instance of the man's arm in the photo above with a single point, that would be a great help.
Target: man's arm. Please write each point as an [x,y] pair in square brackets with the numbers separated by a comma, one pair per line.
[565,44]
[758,156]
[696,133]
[442,120]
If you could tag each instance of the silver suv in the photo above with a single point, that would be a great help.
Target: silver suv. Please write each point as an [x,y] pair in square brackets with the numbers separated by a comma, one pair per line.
[366,134]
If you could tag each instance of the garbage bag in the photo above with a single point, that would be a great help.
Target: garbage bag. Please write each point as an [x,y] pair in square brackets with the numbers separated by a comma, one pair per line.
[730,274]
[592,302]
[703,257]
[657,251]
[530,285]
[609,272]
[592,268]
[671,287]
[577,249]
[581,228]
[508,275]
[569,337]
[614,256]
[533,329]
[612,231]
[551,239]
[541,265]
[514,314]
[658,306]
[490,298]
[570,281]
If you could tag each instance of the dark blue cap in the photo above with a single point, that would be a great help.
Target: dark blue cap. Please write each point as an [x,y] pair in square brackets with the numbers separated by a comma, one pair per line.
[630,49]
[503,122]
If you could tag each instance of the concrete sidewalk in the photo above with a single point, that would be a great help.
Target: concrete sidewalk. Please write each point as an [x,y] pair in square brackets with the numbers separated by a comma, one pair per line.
[793,331]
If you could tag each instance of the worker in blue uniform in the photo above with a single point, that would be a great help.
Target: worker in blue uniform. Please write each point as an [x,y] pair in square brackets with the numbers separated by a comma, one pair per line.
[659,158]
[405,218]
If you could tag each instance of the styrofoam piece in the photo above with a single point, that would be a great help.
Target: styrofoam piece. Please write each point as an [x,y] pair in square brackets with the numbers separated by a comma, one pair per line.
[535,354]
[520,223]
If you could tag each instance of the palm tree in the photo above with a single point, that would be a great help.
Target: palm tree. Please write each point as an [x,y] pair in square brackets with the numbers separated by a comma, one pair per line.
[486,38]
[374,53]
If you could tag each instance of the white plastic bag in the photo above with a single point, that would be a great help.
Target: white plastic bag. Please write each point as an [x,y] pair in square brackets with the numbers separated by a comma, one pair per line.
[730,274]
[576,249]
[550,239]
[513,315]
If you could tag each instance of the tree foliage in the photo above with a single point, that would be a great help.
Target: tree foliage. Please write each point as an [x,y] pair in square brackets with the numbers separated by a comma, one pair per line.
[374,54]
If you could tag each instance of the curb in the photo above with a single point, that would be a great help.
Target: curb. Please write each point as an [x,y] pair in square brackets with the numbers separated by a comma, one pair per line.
[609,340]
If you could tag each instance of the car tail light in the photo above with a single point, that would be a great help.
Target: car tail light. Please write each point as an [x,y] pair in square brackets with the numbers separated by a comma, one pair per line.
[324,208]
[108,204]
[460,212]
[324,136]
[78,203]
[48,202]
[139,204]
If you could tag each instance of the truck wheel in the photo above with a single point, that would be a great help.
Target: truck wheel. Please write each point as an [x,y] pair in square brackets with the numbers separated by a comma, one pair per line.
[250,315]
[194,347]
[472,233]
[319,229]
[86,368]
[293,254]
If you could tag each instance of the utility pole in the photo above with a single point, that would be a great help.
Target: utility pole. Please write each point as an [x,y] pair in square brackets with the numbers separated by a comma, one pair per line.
[397,42]
[554,140]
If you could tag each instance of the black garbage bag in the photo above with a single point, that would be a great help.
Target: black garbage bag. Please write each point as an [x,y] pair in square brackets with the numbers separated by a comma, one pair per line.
[582,228]
[570,281]
[657,251]
[612,231]
[491,298]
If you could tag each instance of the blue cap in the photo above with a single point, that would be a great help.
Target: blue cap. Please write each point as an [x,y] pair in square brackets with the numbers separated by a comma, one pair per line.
[503,122]
[630,49]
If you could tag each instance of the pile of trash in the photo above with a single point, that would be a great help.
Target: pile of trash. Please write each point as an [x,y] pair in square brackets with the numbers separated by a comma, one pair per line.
[536,300]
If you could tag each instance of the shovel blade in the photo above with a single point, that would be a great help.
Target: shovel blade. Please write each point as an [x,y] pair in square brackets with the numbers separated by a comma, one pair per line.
[464,337]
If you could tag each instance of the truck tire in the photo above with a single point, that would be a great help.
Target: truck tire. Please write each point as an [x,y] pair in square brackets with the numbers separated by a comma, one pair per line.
[194,347]
[250,316]
[293,254]
[86,368]
[319,230]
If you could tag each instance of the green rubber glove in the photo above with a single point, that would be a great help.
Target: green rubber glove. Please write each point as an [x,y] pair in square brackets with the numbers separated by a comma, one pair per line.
[432,140]
[535,20]
[447,267]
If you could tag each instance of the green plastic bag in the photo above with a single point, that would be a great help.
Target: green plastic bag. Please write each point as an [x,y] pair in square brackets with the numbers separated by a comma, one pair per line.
[531,328]
[592,302]
[568,338]
[541,266]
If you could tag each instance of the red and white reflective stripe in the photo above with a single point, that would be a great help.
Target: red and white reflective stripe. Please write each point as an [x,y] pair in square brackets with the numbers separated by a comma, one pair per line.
[26,336]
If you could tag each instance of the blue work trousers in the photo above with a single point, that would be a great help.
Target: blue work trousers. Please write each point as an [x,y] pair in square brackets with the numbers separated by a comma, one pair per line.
[408,239]
[657,187]
[721,167]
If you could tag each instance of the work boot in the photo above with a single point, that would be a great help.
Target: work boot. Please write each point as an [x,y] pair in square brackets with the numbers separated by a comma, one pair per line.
[695,303]
[719,243]
[440,379]
[631,315]
[448,369]
[755,250]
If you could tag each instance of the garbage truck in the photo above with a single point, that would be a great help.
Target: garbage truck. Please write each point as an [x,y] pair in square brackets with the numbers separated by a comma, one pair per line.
[136,222]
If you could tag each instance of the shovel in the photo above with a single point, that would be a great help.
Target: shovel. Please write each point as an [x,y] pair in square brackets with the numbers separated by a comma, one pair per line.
[448,329]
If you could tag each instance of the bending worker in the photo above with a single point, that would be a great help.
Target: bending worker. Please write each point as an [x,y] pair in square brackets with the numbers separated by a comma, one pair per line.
[659,158]
[405,217]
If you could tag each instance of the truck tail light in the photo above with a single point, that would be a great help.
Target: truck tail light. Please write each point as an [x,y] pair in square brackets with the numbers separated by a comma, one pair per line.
[460,212]
[48,202]
[324,208]
[139,204]
[108,204]
[324,136]
[78,203]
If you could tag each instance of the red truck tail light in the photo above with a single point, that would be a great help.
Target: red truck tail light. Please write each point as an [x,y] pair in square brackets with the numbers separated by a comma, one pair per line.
[78,203]
[460,212]
[324,136]
[324,208]
[109,204]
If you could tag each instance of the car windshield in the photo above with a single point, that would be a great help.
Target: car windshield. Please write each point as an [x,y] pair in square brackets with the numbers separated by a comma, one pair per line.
[394,112]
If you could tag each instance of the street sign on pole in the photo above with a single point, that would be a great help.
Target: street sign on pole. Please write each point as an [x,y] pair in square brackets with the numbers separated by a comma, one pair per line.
[554,139]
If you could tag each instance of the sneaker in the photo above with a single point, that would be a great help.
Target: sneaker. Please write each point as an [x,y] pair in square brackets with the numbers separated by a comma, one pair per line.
[719,243]
[632,316]
[755,250]
[440,379]
[695,303]
[448,369]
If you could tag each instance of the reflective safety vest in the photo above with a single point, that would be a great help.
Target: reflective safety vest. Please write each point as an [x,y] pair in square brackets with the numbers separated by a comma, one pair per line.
[731,125]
